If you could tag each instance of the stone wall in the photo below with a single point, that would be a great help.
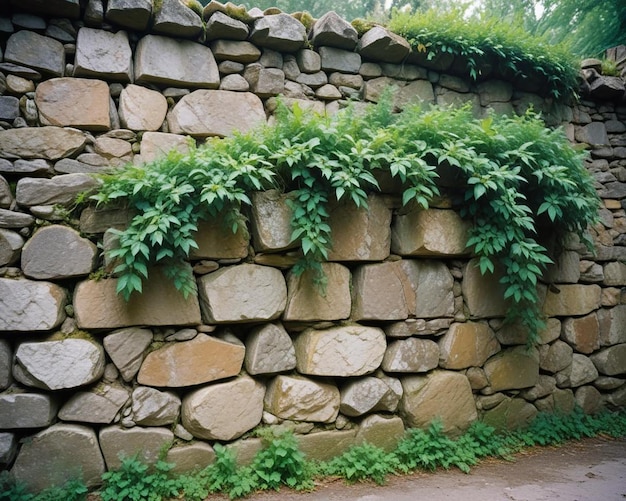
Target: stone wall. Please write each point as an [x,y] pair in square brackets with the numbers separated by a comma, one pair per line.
[408,330]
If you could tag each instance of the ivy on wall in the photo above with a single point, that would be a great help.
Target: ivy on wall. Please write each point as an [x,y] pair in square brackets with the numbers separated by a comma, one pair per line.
[512,175]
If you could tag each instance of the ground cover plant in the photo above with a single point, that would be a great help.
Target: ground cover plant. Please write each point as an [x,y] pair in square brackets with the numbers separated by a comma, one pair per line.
[281,464]
[512,176]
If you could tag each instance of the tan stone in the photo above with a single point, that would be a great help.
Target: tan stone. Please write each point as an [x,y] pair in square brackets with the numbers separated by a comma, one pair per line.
[381,292]
[216,113]
[362,395]
[560,402]
[306,301]
[352,350]
[555,357]
[245,450]
[269,349]
[224,411]
[509,334]
[360,233]
[432,232]
[582,371]
[583,334]
[271,221]
[443,395]
[301,399]
[411,355]
[513,368]
[158,144]
[50,143]
[612,323]
[74,102]
[611,361]
[382,431]
[126,349]
[110,147]
[187,363]
[141,108]
[190,458]
[145,443]
[98,306]
[242,293]
[216,240]
[326,445]
[615,273]
[466,345]
[431,284]
[573,300]
[483,294]
[510,414]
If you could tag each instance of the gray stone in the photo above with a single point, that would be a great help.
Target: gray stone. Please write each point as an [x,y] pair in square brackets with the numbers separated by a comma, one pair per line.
[190,458]
[280,32]
[440,395]
[301,399]
[94,219]
[583,371]
[186,363]
[58,365]
[224,411]
[271,221]
[544,387]
[157,144]
[223,27]
[510,414]
[313,80]
[217,240]
[216,113]
[566,270]
[98,406]
[615,273]
[271,59]
[352,350]
[9,108]
[611,361]
[466,345]
[6,361]
[176,19]
[380,292]
[50,143]
[26,410]
[269,350]
[36,51]
[60,190]
[133,14]
[593,134]
[98,306]
[234,83]
[243,293]
[555,357]
[343,80]
[380,44]
[432,285]
[588,399]
[483,294]
[306,302]
[11,244]
[237,51]
[339,60]
[265,82]
[14,219]
[8,448]
[102,54]
[362,395]
[607,87]
[152,407]
[44,257]
[308,61]
[37,167]
[126,348]
[382,431]
[333,31]
[167,61]
[141,108]
[494,91]
[6,197]
[144,443]
[411,355]
[612,325]
[26,305]
[58,454]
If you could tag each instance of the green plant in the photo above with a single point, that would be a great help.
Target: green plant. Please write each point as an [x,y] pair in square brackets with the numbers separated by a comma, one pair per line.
[72,490]
[224,476]
[136,481]
[510,49]
[10,490]
[609,68]
[362,462]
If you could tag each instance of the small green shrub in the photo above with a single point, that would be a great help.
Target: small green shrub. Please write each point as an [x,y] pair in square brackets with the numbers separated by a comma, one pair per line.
[10,490]
[362,462]
[136,481]
[224,476]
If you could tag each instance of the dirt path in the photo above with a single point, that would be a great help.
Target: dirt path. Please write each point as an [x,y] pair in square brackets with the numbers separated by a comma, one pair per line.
[590,470]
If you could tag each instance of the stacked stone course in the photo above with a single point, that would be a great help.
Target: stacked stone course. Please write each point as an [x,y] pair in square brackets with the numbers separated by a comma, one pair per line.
[408,330]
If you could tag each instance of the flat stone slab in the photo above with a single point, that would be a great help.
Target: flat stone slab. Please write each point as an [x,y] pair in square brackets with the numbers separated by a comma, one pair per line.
[27,305]
[50,143]
[146,443]
[102,54]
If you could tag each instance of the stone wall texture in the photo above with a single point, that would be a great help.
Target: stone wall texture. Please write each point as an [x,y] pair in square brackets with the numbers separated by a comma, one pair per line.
[408,330]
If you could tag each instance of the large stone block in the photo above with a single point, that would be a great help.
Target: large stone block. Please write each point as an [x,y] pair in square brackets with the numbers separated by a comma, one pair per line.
[60,190]
[36,51]
[381,292]
[6,362]
[50,143]
[332,30]
[216,240]
[11,244]
[513,368]
[573,300]
[146,444]
[363,395]
[360,233]
[45,255]
[588,399]
[306,301]
[583,371]
[102,54]
[74,102]
[382,431]
[269,350]
[611,361]
[432,232]
[510,414]
[380,44]
[26,410]
[187,363]
[216,113]
[176,19]
[98,306]
[224,411]
[190,458]
[325,445]
[242,293]
[344,61]
[583,333]
[466,345]
[141,108]
[158,144]
[152,407]
[126,348]
[440,395]
[26,305]
[280,32]
[98,406]
[133,14]
[483,294]
[555,357]
[168,61]
[353,350]
[58,365]
[612,325]
[411,355]
[8,447]
[301,399]
[271,218]
[431,285]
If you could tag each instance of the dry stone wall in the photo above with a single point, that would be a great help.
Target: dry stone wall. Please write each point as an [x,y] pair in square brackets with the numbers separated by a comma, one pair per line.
[408,331]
